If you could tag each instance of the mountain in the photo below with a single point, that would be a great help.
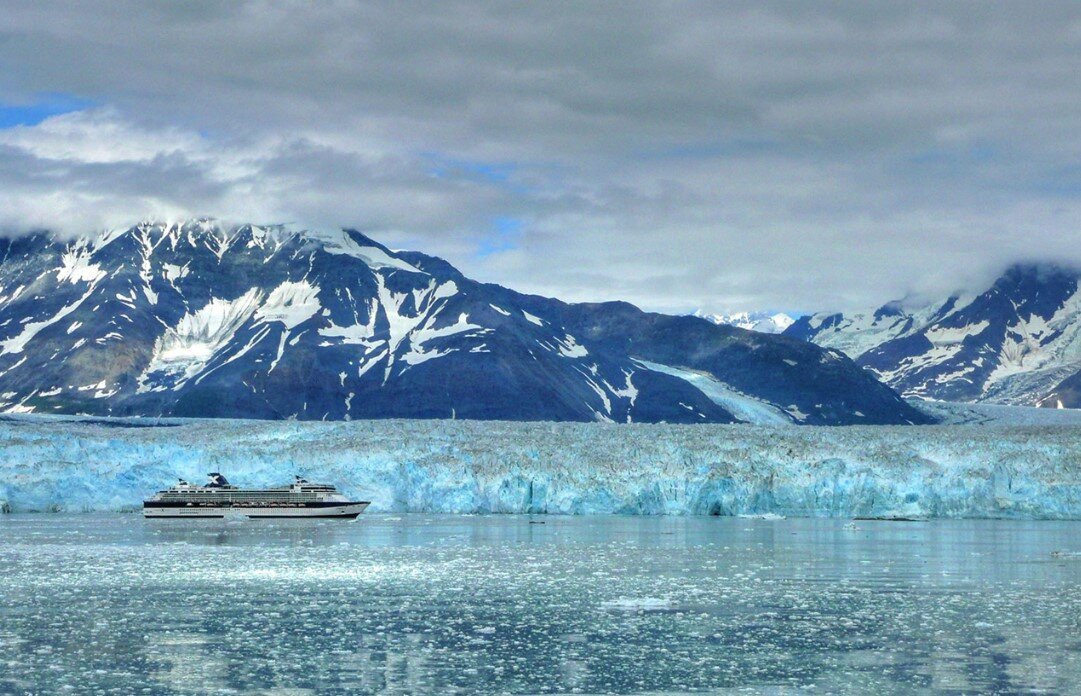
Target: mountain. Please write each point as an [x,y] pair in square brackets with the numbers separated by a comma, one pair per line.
[202,319]
[764,322]
[1016,342]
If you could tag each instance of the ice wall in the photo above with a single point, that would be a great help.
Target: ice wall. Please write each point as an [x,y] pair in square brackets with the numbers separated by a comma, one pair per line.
[482,467]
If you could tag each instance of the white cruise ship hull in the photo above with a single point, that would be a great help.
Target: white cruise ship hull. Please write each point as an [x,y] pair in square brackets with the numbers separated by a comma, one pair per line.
[283,511]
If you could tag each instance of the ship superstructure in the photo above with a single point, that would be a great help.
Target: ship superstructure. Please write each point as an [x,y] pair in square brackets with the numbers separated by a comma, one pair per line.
[219,498]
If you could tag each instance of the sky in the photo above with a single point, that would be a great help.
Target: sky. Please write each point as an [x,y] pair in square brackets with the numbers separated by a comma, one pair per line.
[679,155]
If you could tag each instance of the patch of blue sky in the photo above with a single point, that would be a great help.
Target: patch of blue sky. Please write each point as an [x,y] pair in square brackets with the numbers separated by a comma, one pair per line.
[997,170]
[31,113]
[505,235]
[1059,182]
[496,173]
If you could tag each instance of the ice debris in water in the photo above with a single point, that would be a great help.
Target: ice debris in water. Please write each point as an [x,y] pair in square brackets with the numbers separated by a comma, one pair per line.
[478,467]
[639,604]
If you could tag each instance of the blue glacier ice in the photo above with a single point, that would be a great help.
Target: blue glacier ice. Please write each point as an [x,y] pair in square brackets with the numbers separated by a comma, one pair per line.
[1018,471]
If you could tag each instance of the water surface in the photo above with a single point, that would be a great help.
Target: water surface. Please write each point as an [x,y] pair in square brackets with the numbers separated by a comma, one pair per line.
[512,604]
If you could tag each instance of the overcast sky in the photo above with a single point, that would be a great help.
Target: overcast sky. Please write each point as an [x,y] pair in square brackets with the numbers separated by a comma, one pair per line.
[760,155]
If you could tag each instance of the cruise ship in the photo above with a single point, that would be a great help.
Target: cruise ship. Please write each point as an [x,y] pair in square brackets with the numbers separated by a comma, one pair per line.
[219,498]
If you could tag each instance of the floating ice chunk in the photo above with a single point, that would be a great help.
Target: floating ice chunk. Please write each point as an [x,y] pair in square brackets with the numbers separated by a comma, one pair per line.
[639,604]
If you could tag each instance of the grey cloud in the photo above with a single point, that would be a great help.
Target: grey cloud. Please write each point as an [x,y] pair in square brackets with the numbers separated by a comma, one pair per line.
[677,154]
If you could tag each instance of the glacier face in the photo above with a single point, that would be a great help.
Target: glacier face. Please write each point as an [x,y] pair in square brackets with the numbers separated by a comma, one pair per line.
[72,464]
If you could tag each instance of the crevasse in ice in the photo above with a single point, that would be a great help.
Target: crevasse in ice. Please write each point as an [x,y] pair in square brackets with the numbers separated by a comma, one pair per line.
[566,468]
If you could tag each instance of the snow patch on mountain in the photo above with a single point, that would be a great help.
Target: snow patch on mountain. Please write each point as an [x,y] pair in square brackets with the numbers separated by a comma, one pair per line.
[532,319]
[427,332]
[359,333]
[15,344]
[1037,350]
[341,242]
[185,349]
[570,348]
[76,265]
[763,322]
[291,303]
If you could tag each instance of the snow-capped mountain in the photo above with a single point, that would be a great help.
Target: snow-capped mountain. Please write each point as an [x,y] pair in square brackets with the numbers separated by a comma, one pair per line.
[1016,342]
[201,319]
[764,322]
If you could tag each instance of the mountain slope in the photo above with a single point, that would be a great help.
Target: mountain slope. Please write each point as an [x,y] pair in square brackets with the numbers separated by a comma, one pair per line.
[198,319]
[1017,342]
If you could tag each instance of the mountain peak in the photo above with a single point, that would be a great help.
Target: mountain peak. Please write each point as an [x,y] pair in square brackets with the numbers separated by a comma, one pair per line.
[763,322]
[204,318]
[1017,341]
[224,237]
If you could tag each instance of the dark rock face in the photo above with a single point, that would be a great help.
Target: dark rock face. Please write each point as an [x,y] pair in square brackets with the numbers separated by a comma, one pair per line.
[196,319]
[1017,342]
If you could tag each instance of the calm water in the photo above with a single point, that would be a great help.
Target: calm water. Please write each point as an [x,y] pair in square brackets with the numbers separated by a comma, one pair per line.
[439,604]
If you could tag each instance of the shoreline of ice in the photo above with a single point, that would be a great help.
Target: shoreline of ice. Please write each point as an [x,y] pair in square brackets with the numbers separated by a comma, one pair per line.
[1003,471]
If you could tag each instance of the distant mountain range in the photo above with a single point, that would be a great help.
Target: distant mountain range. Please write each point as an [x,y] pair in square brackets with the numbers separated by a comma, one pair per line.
[765,322]
[249,321]
[1017,341]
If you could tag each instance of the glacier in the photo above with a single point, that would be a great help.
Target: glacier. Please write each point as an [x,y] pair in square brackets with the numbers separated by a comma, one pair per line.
[52,463]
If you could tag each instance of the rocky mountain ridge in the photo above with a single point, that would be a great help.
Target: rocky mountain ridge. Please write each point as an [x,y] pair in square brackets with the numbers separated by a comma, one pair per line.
[203,319]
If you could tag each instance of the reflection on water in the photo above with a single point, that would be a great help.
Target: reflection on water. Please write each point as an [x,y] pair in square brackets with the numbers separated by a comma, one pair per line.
[440,604]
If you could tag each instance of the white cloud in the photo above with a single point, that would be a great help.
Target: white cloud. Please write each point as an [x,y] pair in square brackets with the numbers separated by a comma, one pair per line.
[97,136]
[678,155]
